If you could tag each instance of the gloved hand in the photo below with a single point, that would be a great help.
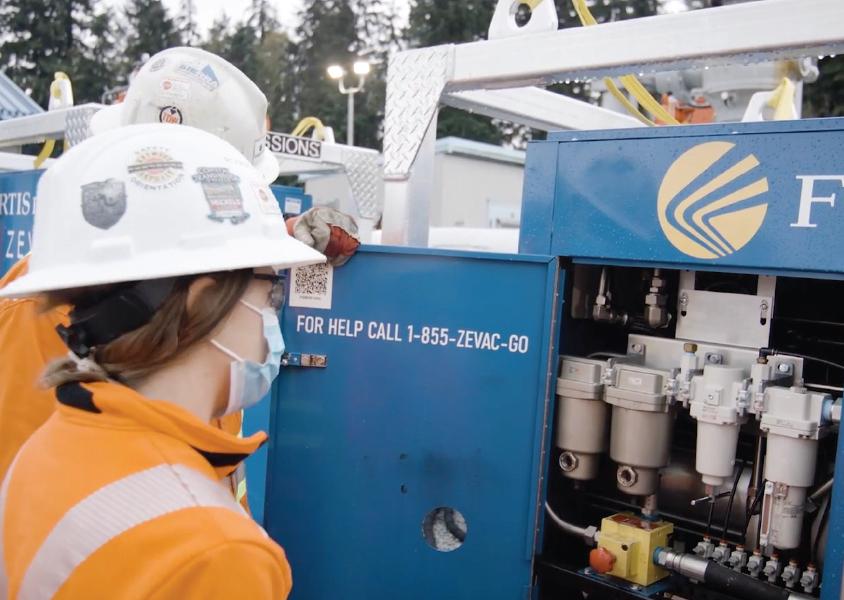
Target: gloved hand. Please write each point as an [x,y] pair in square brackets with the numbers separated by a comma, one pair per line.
[327,230]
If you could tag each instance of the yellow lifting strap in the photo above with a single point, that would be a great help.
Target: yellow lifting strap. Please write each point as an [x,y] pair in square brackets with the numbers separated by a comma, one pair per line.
[633,85]
[60,95]
[782,100]
[44,154]
[310,123]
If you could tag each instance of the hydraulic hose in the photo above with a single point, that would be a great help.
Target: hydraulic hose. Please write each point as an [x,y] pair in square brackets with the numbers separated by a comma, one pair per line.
[720,578]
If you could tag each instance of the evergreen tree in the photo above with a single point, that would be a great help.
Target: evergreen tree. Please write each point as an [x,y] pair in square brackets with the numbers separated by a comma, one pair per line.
[271,77]
[42,37]
[825,97]
[378,36]
[187,23]
[217,40]
[243,49]
[263,17]
[97,71]
[261,58]
[327,35]
[150,29]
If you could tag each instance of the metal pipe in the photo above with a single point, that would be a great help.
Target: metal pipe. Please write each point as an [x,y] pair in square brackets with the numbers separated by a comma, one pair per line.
[350,120]
[756,477]
[602,284]
[589,534]
[822,491]
[720,578]
[649,506]
[709,498]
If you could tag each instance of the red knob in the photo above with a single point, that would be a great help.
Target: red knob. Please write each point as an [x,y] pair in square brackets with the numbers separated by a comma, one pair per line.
[601,560]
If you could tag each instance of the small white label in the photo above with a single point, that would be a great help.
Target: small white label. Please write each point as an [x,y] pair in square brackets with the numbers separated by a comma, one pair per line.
[266,199]
[312,286]
[292,206]
[173,88]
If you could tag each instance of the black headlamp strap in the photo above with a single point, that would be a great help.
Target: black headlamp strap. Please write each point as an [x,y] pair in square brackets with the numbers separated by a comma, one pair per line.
[120,312]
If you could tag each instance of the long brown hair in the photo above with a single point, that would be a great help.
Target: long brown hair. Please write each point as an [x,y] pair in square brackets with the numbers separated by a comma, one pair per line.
[171,331]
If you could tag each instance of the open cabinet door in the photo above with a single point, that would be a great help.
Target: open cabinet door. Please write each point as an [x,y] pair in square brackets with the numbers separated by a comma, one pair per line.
[411,464]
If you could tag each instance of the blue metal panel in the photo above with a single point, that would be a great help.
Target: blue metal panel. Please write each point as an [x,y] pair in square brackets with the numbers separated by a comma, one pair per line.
[14,102]
[17,205]
[361,450]
[538,199]
[256,419]
[607,186]
[717,129]
[833,578]
[293,201]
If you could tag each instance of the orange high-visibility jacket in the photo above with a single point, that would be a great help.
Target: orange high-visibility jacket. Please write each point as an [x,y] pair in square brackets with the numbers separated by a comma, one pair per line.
[28,342]
[118,496]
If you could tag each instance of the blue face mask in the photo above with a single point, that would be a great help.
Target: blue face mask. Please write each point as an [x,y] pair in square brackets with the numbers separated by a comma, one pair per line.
[250,381]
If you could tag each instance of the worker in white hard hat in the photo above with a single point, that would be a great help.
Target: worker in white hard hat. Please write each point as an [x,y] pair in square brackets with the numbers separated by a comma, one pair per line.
[185,86]
[160,241]
[189,86]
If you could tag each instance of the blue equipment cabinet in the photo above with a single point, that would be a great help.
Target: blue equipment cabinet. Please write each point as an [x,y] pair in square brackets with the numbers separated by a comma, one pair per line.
[435,395]
[17,207]
[747,198]
[293,201]
[613,196]
[395,427]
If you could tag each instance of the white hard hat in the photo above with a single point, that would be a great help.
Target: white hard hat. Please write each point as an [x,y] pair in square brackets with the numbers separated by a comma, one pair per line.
[153,201]
[189,86]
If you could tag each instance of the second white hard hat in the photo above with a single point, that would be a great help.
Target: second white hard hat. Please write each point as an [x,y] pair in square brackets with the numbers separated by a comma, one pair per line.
[153,201]
[189,86]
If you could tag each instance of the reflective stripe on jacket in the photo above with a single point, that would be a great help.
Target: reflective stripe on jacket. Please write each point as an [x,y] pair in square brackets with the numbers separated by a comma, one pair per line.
[119,496]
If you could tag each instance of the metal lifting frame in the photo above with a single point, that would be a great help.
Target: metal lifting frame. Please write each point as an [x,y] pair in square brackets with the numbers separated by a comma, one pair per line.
[362,166]
[475,75]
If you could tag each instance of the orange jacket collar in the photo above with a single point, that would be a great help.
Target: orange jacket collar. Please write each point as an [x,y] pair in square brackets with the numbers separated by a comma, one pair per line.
[222,450]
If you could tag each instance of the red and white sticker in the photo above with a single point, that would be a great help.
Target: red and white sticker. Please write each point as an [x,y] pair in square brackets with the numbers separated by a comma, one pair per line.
[174,88]
[266,200]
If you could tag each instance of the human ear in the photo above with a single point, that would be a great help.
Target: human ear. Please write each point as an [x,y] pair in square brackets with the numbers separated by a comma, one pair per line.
[196,288]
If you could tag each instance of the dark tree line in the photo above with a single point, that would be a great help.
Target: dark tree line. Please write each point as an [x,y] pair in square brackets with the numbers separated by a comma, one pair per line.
[98,47]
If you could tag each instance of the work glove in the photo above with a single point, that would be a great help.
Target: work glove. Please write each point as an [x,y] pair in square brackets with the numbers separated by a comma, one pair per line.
[327,230]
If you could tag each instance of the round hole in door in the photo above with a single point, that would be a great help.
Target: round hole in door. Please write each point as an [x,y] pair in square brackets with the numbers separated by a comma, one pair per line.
[444,529]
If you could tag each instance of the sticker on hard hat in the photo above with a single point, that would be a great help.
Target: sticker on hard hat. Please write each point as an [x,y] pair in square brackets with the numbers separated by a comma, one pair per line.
[204,74]
[155,169]
[259,147]
[282,143]
[170,114]
[222,192]
[103,202]
[157,64]
[173,88]
[266,200]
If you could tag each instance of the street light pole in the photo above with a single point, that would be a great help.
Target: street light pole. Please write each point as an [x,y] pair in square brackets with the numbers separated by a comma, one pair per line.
[350,120]
[361,69]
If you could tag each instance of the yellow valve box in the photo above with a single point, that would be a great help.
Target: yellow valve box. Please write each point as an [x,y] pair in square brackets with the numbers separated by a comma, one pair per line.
[631,541]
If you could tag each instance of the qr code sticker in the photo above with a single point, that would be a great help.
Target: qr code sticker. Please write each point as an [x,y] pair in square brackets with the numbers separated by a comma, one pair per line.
[312,286]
